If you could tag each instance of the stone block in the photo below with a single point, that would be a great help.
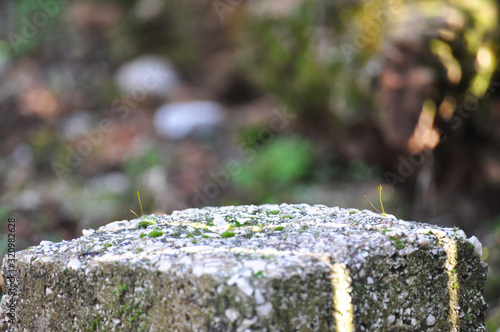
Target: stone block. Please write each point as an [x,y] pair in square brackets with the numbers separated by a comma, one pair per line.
[251,268]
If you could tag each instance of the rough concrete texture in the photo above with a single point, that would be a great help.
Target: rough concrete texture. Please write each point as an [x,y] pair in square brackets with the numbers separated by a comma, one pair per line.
[252,268]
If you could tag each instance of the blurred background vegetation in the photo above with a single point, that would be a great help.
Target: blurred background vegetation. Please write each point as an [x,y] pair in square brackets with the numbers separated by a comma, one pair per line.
[232,102]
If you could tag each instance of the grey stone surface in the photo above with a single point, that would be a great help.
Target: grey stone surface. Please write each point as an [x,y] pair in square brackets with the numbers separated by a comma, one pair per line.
[252,268]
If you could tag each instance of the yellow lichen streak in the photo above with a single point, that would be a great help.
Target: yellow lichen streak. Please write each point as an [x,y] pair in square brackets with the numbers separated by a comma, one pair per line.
[342,301]
[449,245]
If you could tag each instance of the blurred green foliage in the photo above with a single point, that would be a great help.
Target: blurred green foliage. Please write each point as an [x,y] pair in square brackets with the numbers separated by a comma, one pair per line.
[277,168]
[33,25]
[135,166]
[169,31]
[322,58]
[491,255]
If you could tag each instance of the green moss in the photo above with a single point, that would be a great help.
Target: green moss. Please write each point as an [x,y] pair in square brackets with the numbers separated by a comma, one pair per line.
[122,287]
[143,235]
[386,230]
[235,222]
[107,245]
[398,243]
[287,216]
[155,233]
[65,271]
[118,293]
[144,223]
[94,325]
[279,228]
[135,316]
[138,250]
[228,234]
[352,212]
[194,242]
[205,237]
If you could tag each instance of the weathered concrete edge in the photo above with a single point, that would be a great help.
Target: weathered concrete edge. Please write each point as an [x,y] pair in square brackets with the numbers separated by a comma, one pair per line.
[448,245]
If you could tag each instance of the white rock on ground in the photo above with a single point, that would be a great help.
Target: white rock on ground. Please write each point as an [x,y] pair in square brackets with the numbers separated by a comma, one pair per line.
[178,120]
[148,74]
